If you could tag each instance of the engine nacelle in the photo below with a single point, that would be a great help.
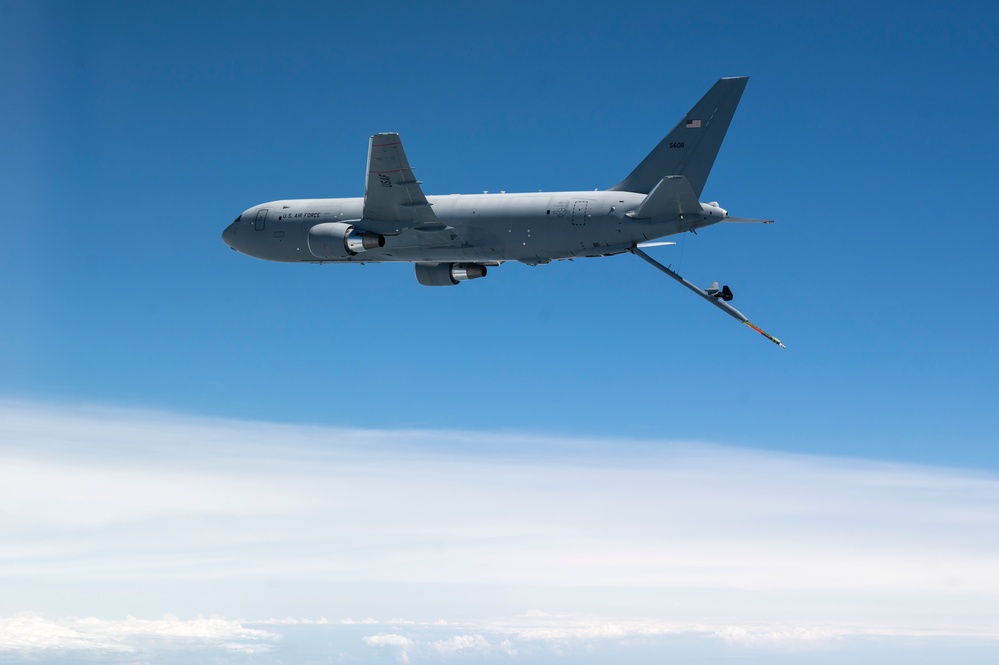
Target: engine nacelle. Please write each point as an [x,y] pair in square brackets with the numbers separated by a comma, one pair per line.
[447,274]
[338,240]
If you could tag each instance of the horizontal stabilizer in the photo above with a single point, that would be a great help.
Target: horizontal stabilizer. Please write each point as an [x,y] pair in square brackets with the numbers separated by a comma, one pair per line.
[673,196]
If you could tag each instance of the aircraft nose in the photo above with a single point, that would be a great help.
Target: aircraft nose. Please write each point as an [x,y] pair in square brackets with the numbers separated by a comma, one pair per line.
[229,235]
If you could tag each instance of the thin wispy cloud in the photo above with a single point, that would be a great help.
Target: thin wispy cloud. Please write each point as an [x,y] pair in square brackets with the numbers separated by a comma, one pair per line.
[748,547]
[29,633]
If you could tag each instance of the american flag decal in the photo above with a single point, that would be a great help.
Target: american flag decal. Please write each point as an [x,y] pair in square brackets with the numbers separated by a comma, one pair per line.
[693,124]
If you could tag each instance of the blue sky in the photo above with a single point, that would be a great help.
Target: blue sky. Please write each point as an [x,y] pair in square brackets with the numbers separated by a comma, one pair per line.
[132,134]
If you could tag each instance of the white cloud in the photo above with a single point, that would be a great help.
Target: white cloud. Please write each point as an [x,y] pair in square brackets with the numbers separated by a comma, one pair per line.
[728,538]
[387,640]
[359,622]
[461,643]
[521,637]
[401,643]
[781,636]
[290,621]
[30,633]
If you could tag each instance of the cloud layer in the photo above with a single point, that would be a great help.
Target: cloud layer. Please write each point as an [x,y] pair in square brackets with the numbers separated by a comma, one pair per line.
[29,633]
[677,533]
[534,637]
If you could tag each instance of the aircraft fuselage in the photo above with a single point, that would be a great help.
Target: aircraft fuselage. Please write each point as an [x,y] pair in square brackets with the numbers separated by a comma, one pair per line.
[530,228]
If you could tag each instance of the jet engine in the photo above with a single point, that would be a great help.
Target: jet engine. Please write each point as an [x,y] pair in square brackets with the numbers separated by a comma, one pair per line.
[338,240]
[447,274]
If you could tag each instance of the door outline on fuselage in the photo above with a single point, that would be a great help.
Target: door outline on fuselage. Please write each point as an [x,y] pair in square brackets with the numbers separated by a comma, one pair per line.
[579,212]
[261,220]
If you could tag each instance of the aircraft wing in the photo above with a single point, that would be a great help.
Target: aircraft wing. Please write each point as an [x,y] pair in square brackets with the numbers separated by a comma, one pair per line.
[392,195]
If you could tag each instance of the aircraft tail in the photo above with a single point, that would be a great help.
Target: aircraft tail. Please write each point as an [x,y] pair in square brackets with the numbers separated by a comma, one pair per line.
[672,196]
[690,149]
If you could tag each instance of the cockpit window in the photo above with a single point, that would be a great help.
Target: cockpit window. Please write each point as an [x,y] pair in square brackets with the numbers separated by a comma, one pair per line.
[237,219]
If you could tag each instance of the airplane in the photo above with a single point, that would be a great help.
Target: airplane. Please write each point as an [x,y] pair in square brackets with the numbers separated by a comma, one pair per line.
[458,237]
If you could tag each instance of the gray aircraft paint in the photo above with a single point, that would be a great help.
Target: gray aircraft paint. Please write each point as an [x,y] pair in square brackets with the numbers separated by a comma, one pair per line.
[396,221]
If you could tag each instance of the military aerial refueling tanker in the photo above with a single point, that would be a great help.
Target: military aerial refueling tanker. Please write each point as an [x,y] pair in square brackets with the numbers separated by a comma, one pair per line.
[458,237]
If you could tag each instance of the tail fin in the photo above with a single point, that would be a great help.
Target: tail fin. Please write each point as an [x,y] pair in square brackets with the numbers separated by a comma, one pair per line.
[690,149]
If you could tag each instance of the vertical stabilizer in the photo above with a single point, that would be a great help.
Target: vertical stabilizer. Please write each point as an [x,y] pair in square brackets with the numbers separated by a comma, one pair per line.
[690,149]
